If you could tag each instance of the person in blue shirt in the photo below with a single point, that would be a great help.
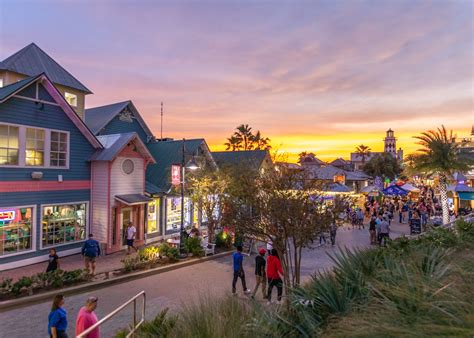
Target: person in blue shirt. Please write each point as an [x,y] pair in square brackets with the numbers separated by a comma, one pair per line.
[238,260]
[90,251]
[57,319]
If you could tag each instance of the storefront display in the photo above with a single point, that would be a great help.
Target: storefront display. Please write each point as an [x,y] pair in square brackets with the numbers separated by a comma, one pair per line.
[62,224]
[15,230]
[153,216]
[173,212]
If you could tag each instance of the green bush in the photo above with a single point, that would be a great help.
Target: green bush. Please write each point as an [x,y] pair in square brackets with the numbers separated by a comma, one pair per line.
[168,251]
[465,229]
[439,237]
[223,240]
[193,245]
[160,327]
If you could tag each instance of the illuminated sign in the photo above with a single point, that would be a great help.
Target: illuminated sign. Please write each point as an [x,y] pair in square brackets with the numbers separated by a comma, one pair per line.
[8,215]
[175,174]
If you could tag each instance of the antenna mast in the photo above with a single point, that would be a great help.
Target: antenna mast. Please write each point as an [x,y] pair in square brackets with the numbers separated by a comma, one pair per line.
[161,135]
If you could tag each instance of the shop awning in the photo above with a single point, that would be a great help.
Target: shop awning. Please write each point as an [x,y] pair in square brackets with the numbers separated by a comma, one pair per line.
[133,199]
[466,196]
[393,190]
[409,187]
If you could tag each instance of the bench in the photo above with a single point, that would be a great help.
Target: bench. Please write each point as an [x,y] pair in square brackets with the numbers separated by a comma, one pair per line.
[209,248]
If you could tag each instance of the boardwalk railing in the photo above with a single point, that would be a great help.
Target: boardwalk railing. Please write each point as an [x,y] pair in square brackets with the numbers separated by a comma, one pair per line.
[136,324]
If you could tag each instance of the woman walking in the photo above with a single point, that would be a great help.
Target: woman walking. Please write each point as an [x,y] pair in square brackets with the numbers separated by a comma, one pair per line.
[57,318]
[275,276]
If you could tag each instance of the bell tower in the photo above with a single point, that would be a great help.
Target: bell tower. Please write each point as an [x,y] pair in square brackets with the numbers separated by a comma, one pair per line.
[390,143]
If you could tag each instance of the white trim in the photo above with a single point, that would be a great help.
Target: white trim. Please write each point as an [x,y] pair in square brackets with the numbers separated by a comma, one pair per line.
[47,147]
[32,230]
[35,100]
[66,243]
[37,259]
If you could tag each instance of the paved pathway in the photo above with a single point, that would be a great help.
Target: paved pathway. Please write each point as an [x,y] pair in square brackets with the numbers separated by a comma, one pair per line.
[170,289]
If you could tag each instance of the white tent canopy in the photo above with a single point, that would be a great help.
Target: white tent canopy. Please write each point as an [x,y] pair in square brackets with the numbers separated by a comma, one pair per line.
[409,187]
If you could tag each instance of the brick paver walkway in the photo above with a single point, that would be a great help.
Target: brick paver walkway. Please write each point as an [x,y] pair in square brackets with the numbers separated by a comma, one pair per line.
[171,289]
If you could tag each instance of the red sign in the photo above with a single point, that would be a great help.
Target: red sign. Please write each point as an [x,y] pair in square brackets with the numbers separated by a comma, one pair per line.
[175,174]
[7,215]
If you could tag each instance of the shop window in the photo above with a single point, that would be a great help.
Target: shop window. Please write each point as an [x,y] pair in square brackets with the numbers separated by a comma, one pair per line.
[71,99]
[9,145]
[153,216]
[63,224]
[58,153]
[34,147]
[173,213]
[15,230]
[1,83]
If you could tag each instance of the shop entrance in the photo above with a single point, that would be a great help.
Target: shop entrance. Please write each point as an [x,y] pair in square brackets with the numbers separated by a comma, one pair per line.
[126,218]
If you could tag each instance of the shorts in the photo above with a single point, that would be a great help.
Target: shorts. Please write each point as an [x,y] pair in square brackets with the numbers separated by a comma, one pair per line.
[89,259]
[130,242]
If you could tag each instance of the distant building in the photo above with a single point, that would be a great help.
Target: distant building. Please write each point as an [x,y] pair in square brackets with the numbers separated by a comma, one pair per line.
[390,147]
[259,160]
[310,160]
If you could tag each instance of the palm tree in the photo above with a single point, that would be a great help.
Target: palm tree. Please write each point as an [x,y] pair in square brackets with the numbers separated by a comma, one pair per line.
[440,155]
[259,142]
[305,154]
[233,143]
[363,152]
[244,135]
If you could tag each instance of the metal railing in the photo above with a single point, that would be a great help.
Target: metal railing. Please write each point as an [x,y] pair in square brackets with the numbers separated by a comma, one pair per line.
[136,324]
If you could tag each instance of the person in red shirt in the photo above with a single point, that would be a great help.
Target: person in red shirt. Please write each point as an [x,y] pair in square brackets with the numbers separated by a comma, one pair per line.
[274,275]
[87,317]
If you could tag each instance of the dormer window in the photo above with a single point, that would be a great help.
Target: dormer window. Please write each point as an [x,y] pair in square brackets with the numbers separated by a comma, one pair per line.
[71,99]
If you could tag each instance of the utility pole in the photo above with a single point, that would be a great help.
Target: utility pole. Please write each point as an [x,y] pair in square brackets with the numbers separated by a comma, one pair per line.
[161,134]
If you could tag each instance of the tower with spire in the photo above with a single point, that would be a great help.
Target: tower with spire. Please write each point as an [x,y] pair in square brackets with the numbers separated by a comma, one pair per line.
[390,143]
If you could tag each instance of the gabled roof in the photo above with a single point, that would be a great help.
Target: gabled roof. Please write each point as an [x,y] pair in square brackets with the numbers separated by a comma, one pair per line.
[11,89]
[32,60]
[98,117]
[113,144]
[328,172]
[8,91]
[252,158]
[166,153]
[340,162]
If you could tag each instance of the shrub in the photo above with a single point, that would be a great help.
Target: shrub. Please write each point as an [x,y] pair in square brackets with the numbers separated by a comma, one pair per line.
[465,229]
[161,326]
[223,240]
[439,237]
[193,245]
[171,253]
[22,284]
[149,254]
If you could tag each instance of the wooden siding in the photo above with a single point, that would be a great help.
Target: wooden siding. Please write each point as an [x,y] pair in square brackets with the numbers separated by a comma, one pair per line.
[44,95]
[122,183]
[116,126]
[25,112]
[29,91]
[100,208]
[37,199]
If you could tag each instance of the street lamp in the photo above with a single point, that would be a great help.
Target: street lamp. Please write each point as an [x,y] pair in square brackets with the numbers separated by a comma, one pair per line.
[192,165]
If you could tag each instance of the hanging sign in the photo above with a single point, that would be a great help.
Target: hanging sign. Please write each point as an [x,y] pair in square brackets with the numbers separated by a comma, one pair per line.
[175,174]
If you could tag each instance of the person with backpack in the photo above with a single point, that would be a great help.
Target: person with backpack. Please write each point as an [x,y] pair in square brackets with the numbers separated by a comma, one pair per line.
[238,260]
[275,276]
[90,250]
[260,276]
[57,319]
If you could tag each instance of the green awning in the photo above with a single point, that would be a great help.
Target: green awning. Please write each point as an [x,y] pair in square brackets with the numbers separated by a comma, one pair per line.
[467,196]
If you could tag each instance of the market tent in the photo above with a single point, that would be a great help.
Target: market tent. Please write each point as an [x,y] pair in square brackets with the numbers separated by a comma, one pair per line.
[393,190]
[464,192]
[410,188]
[370,188]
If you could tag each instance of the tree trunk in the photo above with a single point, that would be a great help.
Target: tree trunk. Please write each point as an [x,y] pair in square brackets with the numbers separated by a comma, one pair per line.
[444,198]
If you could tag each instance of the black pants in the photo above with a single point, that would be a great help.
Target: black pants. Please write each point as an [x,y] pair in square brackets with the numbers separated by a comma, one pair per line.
[279,285]
[61,334]
[383,237]
[238,274]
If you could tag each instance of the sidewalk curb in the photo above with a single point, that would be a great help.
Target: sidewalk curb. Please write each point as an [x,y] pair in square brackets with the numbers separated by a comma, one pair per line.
[26,301]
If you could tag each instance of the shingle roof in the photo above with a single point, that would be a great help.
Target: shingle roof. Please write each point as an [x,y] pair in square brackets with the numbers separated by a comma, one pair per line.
[113,144]
[252,158]
[32,60]
[98,117]
[328,172]
[12,88]
[166,153]
[340,161]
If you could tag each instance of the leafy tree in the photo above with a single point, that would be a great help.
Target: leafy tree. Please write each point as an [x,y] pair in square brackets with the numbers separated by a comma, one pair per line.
[244,139]
[208,188]
[244,135]
[259,142]
[384,165]
[440,156]
[233,143]
[283,207]
[363,151]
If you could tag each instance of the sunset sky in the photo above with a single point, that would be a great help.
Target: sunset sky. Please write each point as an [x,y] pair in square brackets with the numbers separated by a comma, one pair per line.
[321,76]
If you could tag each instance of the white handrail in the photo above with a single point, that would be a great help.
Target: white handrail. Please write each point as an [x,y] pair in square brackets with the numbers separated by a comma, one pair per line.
[117,310]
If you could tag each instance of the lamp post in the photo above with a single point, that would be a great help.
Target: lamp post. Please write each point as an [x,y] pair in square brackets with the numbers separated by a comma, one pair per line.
[192,166]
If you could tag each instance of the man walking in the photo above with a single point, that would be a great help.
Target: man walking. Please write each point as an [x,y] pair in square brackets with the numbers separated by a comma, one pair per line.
[384,231]
[260,273]
[90,250]
[333,232]
[238,259]
[131,233]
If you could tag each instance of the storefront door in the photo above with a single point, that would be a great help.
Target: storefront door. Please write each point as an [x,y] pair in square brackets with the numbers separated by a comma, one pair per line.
[126,218]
